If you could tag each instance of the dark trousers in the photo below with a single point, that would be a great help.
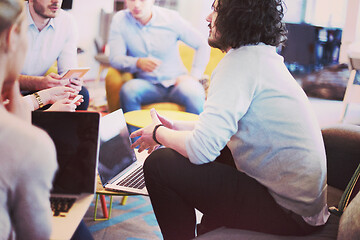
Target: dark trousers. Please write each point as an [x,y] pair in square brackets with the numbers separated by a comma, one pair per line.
[85,104]
[82,232]
[224,195]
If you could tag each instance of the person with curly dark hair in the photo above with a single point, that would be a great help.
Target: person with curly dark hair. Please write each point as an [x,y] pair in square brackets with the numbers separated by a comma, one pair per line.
[249,22]
[255,159]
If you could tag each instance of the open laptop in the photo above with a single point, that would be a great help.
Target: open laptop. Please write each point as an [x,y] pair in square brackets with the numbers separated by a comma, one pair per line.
[120,168]
[76,138]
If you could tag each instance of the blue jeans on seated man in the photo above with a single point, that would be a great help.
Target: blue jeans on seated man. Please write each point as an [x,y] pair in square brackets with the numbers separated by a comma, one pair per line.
[137,92]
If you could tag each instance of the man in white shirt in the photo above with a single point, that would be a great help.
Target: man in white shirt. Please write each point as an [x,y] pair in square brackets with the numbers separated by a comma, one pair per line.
[52,36]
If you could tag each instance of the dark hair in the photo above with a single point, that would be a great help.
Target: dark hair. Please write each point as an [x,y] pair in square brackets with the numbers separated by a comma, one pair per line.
[243,22]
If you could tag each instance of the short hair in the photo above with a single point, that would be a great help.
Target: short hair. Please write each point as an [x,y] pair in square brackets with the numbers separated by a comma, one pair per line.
[10,11]
[244,22]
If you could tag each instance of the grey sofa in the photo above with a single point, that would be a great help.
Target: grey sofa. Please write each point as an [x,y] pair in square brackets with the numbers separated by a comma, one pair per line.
[342,144]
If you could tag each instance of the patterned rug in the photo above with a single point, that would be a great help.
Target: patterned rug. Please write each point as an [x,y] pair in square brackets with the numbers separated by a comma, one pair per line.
[133,221]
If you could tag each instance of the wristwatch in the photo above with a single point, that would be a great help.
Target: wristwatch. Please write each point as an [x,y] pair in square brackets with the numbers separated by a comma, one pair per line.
[38,99]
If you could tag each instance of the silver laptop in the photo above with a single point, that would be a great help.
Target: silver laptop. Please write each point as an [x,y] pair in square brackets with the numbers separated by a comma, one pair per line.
[120,168]
[76,138]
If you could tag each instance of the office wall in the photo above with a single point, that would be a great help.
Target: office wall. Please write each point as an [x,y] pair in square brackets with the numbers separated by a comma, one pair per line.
[87,15]
[196,11]
[351,30]
[294,11]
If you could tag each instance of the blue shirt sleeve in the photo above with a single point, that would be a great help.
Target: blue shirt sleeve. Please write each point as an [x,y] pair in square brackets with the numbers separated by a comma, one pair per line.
[118,49]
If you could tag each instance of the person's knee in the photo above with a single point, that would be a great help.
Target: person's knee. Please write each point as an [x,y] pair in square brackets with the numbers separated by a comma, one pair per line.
[191,95]
[160,160]
[191,89]
[129,90]
[153,160]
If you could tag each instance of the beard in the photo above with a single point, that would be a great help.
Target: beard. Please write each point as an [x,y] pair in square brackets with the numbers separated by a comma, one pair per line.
[214,43]
[41,11]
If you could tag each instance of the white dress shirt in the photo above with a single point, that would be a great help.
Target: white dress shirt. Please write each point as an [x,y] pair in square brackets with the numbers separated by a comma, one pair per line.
[56,42]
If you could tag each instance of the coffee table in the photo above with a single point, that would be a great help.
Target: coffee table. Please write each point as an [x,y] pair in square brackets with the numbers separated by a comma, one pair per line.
[142,118]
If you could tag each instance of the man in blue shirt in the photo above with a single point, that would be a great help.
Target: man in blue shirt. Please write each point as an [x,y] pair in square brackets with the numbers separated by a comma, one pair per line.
[52,36]
[143,40]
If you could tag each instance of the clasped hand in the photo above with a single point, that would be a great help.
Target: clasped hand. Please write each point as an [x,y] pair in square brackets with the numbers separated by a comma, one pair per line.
[148,64]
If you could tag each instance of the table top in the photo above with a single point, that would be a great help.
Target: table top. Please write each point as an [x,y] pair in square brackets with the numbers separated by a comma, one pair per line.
[142,118]
[101,190]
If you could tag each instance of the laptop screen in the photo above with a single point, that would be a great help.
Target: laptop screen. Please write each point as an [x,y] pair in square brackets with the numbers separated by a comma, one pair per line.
[76,137]
[115,152]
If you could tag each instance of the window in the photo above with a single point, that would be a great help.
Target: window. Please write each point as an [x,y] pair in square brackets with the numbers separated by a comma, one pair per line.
[326,13]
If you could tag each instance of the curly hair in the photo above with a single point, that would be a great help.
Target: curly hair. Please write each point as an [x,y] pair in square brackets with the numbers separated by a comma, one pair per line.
[244,22]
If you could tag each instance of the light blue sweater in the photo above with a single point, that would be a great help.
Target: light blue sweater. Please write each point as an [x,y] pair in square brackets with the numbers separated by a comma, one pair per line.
[259,111]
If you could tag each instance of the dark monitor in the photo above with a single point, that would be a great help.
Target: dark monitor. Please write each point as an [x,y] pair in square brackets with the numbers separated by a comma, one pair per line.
[67,4]
[76,139]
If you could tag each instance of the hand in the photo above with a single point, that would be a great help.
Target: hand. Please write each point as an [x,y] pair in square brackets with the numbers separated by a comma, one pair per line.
[52,80]
[185,78]
[16,104]
[52,95]
[166,122]
[63,105]
[75,83]
[148,64]
[145,135]
[79,100]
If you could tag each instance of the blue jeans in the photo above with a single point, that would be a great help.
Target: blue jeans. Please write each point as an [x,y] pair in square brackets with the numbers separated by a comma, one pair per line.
[137,92]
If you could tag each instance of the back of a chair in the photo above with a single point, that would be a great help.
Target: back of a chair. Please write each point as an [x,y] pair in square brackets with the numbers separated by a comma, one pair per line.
[349,227]
[342,145]
[354,63]
[353,53]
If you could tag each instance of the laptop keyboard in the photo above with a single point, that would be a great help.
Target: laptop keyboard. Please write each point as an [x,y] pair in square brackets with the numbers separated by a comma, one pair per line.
[61,205]
[134,180]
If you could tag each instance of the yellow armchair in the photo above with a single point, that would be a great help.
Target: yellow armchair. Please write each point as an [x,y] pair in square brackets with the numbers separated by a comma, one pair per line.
[115,79]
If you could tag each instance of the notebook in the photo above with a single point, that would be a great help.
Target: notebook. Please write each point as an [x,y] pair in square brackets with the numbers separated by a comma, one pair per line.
[76,138]
[120,168]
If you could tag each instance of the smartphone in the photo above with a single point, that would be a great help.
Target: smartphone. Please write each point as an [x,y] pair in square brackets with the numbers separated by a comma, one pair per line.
[75,99]
[75,73]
